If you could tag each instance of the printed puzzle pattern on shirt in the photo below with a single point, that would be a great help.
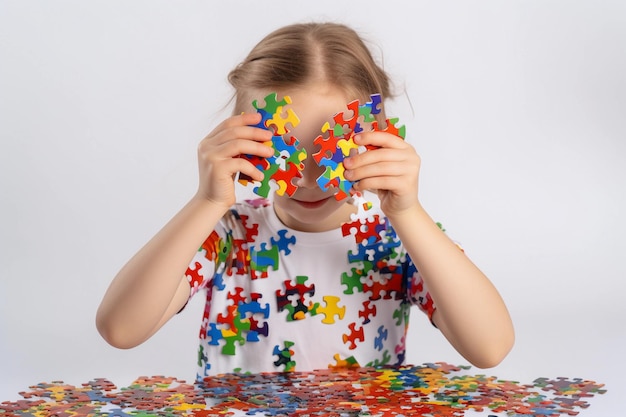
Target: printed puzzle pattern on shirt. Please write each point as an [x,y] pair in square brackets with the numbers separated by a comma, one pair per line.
[270,294]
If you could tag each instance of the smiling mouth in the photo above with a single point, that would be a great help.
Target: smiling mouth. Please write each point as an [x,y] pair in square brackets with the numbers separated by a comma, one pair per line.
[312,204]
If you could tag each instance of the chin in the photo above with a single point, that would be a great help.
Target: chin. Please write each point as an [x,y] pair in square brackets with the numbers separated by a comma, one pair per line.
[312,214]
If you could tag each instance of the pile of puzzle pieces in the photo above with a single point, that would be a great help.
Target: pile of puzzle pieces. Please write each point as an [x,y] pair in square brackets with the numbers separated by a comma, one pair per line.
[438,389]
[335,142]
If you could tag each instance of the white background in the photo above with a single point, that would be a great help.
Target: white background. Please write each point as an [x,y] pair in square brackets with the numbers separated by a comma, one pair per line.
[517,108]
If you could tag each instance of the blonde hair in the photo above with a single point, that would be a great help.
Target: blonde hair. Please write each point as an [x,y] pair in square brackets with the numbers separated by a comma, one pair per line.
[297,54]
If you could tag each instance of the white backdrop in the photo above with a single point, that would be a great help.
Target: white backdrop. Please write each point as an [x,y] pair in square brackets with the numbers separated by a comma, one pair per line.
[517,108]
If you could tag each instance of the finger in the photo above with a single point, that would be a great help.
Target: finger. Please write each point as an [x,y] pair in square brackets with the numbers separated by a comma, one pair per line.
[243,126]
[241,132]
[389,183]
[250,119]
[245,167]
[398,156]
[380,139]
[379,169]
[211,153]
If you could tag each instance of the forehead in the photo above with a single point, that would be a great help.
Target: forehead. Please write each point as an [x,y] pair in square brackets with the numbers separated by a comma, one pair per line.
[316,104]
[318,99]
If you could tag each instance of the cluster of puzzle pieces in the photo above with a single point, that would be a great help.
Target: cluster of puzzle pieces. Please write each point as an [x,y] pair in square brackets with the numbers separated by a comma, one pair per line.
[438,389]
[335,142]
[373,248]
[287,162]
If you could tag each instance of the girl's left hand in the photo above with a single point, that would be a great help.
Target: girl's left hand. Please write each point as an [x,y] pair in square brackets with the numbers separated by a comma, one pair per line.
[392,169]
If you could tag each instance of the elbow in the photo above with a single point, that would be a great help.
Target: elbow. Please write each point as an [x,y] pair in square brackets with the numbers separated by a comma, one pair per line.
[113,335]
[489,361]
[494,353]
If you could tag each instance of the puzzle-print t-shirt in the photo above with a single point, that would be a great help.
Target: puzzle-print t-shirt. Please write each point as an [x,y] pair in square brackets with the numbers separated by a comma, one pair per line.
[278,299]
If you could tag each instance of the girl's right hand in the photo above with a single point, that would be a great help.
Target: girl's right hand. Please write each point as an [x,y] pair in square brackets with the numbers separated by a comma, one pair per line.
[219,161]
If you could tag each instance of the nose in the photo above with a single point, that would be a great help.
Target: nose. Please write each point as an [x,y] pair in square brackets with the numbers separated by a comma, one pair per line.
[310,173]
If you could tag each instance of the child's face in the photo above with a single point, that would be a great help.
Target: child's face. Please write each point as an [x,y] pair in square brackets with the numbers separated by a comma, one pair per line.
[311,208]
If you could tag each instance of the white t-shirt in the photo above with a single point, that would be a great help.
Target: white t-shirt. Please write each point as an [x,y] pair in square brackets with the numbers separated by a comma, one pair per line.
[278,299]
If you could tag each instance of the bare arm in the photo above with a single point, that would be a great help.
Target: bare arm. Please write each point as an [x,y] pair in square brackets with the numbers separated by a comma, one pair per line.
[470,312]
[152,286]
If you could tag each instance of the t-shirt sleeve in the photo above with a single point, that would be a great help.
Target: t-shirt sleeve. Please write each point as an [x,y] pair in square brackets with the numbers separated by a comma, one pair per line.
[417,291]
[201,270]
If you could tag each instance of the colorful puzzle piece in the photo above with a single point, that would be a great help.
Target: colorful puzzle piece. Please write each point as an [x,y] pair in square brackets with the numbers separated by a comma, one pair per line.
[337,142]
[285,356]
[267,254]
[242,322]
[354,335]
[293,298]
[331,310]
[287,161]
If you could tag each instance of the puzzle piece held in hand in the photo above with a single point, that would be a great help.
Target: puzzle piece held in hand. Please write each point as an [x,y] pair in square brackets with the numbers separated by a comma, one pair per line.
[337,142]
[287,162]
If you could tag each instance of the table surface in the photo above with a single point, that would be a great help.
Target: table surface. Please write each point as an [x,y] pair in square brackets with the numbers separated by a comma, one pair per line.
[438,389]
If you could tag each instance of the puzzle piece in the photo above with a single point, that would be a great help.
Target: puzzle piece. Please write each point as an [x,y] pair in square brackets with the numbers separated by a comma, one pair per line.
[293,298]
[287,162]
[349,362]
[281,119]
[382,361]
[369,310]
[249,308]
[331,310]
[267,254]
[363,230]
[237,296]
[352,280]
[354,335]
[337,142]
[238,325]
[194,276]
[382,336]
[264,258]
[285,356]
[283,242]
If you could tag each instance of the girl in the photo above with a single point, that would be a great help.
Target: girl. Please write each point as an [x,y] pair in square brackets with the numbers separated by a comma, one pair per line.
[306,281]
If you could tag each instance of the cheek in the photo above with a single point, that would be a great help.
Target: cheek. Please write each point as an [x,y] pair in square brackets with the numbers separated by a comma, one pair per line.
[280,200]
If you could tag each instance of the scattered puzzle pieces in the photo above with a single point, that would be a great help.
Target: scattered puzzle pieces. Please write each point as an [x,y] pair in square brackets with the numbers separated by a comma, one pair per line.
[432,389]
